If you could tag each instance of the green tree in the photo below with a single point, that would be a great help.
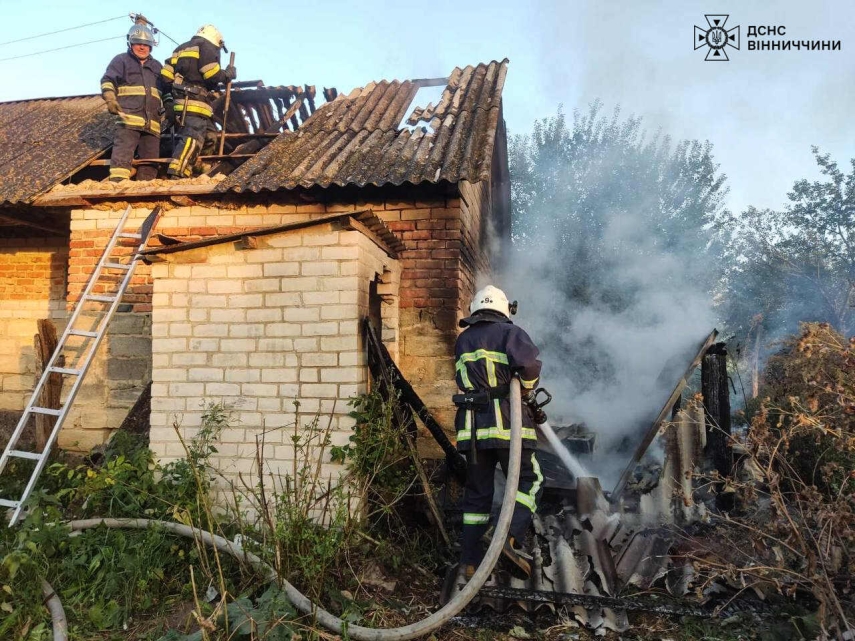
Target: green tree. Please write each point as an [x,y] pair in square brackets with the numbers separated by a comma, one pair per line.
[794,264]
[571,182]
[613,255]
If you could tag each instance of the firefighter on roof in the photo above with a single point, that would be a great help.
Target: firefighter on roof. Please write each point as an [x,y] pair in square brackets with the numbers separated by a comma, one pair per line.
[193,72]
[488,353]
[131,87]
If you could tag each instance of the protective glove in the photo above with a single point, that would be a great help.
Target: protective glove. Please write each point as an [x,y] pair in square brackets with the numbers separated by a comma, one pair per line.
[112,104]
[529,398]
[231,72]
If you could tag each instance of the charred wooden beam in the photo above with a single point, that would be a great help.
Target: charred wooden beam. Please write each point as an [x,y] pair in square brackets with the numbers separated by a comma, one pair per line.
[44,345]
[404,417]
[253,146]
[630,604]
[251,135]
[237,118]
[165,161]
[246,84]
[456,463]
[51,229]
[666,410]
[716,396]
[310,97]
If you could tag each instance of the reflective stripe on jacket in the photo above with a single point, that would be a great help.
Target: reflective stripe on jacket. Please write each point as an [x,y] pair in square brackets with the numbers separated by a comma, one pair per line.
[194,64]
[137,86]
[489,352]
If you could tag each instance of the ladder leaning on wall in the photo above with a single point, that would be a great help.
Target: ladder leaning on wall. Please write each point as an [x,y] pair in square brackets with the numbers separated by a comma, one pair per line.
[82,336]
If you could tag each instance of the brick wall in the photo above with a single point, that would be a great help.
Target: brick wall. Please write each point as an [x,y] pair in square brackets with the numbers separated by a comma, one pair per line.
[32,286]
[258,329]
[446,246]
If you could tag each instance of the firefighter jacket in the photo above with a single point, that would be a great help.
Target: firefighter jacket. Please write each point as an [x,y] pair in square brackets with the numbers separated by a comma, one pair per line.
[137,86]
[195,66]
[489,352]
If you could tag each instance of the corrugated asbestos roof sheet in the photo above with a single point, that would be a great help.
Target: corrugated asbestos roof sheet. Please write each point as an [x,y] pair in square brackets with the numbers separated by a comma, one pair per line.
[44,141]
[356,139]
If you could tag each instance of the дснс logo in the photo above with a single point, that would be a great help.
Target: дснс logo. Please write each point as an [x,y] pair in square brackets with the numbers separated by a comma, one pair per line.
[717,38]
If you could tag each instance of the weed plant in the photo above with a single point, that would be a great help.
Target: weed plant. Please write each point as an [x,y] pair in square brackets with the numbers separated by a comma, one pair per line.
[108,579]
[793,530]
[318,530]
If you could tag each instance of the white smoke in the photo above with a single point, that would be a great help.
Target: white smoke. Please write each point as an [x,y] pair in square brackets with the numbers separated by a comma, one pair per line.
[618,392]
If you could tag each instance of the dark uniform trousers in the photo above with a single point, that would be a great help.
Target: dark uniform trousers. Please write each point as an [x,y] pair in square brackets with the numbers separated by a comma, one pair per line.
[188,143]
[126,142]
[478,498]
[192,73]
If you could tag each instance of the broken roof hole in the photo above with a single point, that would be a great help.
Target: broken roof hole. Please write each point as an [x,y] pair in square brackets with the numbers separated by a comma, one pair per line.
[427,96]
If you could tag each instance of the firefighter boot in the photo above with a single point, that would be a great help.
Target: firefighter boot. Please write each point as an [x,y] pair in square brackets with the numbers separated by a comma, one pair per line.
[516,564]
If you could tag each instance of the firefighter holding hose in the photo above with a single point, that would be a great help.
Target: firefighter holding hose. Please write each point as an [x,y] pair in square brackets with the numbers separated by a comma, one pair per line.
[488,353]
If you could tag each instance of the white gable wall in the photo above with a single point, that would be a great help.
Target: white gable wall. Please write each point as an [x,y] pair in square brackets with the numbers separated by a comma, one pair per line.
[258,329]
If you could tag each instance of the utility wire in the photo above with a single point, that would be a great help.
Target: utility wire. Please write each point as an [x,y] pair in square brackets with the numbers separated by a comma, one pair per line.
[79,44]
[42,35]
[156,30]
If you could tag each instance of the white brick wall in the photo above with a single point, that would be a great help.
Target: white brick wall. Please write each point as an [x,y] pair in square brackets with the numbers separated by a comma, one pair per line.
[260,329]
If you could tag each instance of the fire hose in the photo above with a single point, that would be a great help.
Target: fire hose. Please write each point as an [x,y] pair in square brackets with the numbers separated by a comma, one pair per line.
[329,620]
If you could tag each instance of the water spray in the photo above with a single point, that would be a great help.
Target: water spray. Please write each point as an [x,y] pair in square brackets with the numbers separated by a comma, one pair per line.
[559,449]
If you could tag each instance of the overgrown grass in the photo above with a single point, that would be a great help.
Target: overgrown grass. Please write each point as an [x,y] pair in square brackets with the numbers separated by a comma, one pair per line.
[315,530]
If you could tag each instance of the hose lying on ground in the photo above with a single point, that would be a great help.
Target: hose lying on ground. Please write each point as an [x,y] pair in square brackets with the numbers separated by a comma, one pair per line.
[57,613]
[330,621]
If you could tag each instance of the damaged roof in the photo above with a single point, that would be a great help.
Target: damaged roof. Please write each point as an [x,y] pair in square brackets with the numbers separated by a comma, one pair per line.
[356,139]
[46,140]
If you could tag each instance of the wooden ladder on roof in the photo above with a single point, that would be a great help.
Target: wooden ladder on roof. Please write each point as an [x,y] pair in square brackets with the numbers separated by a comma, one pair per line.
[83,334]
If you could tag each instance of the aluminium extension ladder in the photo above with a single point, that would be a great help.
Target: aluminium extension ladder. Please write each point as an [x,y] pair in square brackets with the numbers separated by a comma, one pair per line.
[96,305]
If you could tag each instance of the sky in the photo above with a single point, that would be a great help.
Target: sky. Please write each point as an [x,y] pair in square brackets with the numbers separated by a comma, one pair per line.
[761,110]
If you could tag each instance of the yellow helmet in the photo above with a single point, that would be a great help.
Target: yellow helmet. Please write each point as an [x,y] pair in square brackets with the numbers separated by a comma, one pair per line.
[210,33]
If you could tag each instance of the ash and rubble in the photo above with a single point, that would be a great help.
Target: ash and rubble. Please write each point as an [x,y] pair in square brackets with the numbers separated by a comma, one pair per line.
[89,185]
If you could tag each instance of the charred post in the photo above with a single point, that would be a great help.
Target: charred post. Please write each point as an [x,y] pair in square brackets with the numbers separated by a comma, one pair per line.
[716,395]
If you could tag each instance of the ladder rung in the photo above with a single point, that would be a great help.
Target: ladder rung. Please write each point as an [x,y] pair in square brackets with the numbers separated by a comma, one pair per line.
[65,370]
[101,299]
[7,503]
[34,456]
[82,332]
[127,234]
[45,410]
[117,266]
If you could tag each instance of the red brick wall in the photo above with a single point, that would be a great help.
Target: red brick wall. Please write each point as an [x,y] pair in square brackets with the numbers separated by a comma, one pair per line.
[33,268]
[32,286]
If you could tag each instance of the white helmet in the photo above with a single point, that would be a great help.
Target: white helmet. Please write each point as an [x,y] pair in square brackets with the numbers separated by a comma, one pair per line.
[490,298]
[210,33]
